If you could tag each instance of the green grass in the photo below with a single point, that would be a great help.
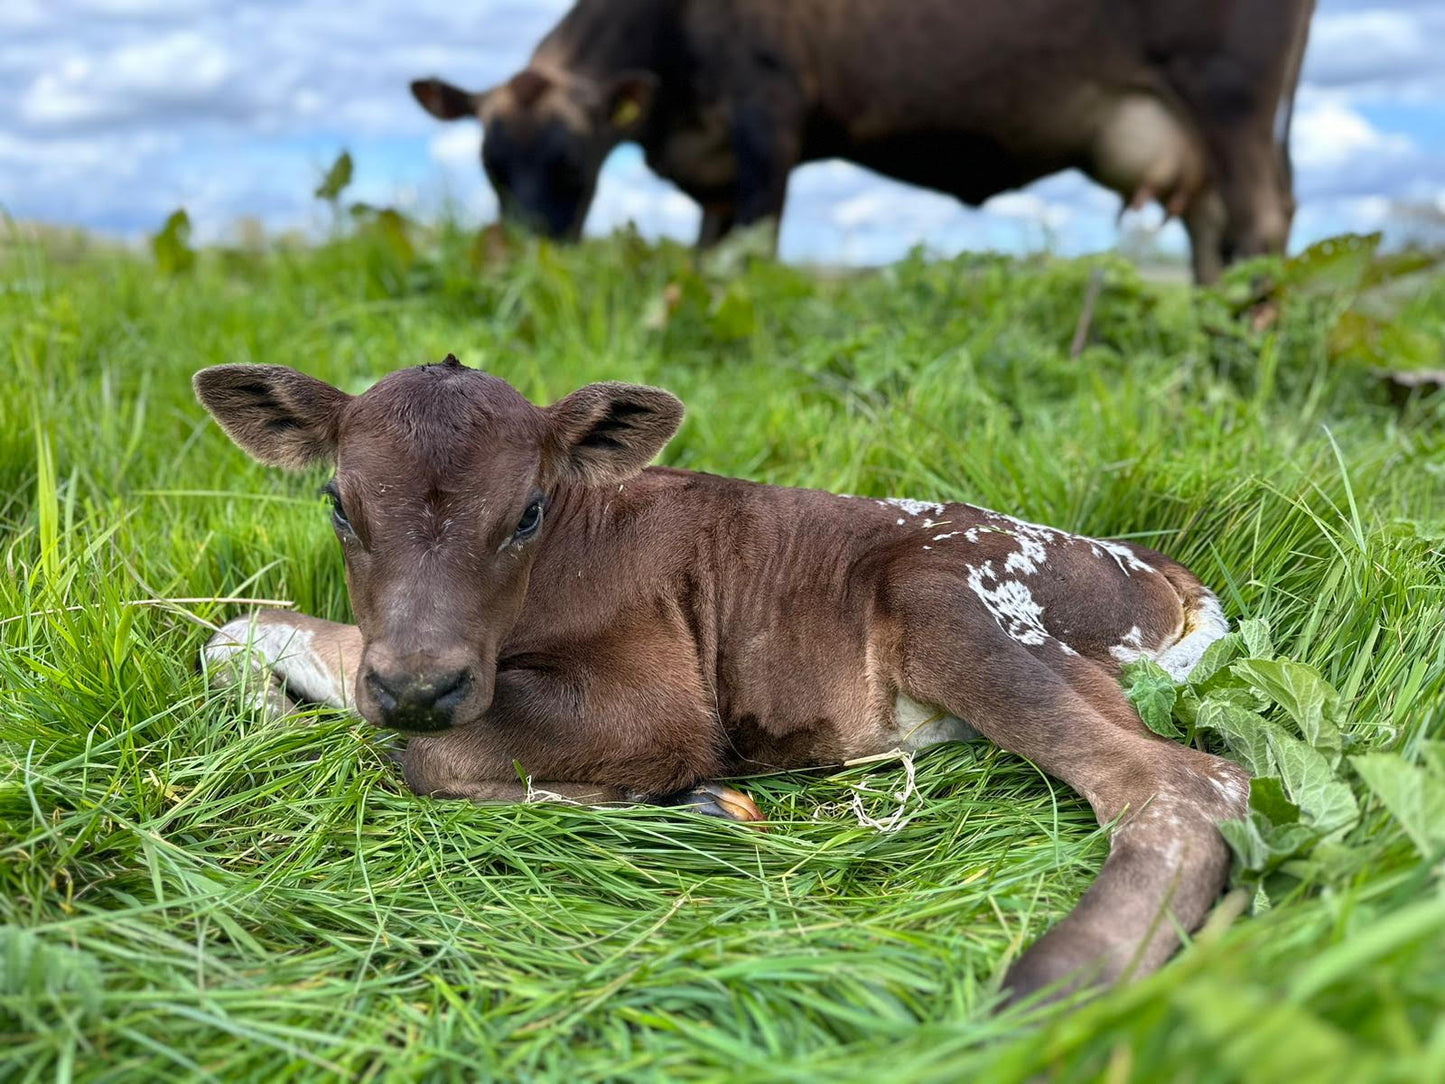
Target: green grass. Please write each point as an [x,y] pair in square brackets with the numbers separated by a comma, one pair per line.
[190,892]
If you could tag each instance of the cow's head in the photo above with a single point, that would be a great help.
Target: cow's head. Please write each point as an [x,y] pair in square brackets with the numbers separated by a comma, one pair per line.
[440,499]
[545,135]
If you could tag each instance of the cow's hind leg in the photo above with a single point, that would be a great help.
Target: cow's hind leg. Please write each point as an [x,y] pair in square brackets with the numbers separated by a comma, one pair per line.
[1167,860]
[278,659]
[1205,219]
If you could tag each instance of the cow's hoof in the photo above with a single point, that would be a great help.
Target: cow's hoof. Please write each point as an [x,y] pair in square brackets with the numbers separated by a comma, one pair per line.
[716,800]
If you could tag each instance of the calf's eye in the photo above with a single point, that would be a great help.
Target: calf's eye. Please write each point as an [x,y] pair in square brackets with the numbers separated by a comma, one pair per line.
[338,514]
[530,521]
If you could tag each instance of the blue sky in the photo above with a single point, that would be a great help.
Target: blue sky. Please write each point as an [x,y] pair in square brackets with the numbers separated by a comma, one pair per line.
[119,111]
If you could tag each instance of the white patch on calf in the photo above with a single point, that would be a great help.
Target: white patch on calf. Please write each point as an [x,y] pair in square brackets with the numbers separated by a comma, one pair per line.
[1204,624]
[1034,537]
[917,727]
[1029,559]
[912,507]
[1123,556]
[280,650]
[1131,647]
[1234,793]
[1012,605]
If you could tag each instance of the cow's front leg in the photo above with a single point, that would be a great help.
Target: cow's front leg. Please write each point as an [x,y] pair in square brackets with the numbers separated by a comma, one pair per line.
[279,659]
[717,223]
[765,143]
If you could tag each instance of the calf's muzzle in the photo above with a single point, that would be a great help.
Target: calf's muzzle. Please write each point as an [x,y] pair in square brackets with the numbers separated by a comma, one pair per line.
[421,692]
[418,701]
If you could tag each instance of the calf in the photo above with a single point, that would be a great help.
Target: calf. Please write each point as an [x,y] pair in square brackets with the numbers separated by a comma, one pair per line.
[528,591]
[1184,103]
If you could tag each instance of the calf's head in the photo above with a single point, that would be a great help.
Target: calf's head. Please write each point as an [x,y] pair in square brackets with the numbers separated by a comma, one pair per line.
[443,480]
[545,135]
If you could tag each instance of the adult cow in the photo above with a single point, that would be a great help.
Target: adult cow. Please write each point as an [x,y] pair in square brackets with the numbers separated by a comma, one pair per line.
[1177,101]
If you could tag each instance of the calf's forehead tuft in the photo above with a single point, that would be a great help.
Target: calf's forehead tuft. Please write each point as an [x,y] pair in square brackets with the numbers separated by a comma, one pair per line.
[441,413]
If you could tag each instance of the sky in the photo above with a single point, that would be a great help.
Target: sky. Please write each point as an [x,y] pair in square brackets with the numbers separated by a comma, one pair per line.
[120,111]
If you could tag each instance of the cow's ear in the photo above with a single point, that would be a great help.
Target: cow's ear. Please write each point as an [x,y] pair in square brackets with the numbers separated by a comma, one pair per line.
[447,102]
[279,416]
[608,432]
[628,100]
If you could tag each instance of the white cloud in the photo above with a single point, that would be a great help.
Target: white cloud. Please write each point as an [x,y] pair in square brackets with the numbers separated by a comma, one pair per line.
[456,146]
[1327,135]
[1030,207]
[180,72]
[1380,51]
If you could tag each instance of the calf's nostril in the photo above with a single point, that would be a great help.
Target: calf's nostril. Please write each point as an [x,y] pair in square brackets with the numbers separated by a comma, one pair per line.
[381,691]
[451,690]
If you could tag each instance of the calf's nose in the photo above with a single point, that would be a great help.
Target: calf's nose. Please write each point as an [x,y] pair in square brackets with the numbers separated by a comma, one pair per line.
[411,701]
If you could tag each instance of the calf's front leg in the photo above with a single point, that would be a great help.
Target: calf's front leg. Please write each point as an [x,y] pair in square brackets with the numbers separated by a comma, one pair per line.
[279,660]
[450,765]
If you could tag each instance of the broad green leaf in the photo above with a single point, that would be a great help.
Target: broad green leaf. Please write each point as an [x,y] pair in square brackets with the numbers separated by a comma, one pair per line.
[1153,692]
[1331,861]
[1217,656]
[1325,800]
[1266,796]
[1309,699]
[1287,840]
[1413,796]
[1186,707]
[1257,1038]
[1245,732]
[1246,840]
[336,179]
[1260,846]
[1334,265]
[1254,632]
[173,252]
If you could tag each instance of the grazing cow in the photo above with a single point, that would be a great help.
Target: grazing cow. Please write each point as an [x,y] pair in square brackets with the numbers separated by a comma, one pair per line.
[529,592]
[1169,100]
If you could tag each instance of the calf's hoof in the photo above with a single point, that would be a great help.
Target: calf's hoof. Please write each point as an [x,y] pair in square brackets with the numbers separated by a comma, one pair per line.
[716,800]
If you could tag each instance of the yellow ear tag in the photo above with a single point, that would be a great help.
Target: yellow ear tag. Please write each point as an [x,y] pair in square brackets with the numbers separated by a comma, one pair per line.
[626,113]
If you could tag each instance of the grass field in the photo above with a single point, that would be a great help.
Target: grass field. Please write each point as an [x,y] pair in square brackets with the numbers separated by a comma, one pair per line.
[188,891]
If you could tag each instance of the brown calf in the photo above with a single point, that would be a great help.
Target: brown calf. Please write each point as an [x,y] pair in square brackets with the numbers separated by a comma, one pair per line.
[527,590]
[1181,102]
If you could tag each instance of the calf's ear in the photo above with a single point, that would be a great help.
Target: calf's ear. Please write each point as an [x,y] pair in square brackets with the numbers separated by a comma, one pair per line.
[279,416]
[608,432]
[445,101]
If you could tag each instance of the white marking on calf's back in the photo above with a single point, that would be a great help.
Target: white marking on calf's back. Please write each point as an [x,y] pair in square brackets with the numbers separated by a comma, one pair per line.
[912,507]
[1012,606]
[1131,647]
